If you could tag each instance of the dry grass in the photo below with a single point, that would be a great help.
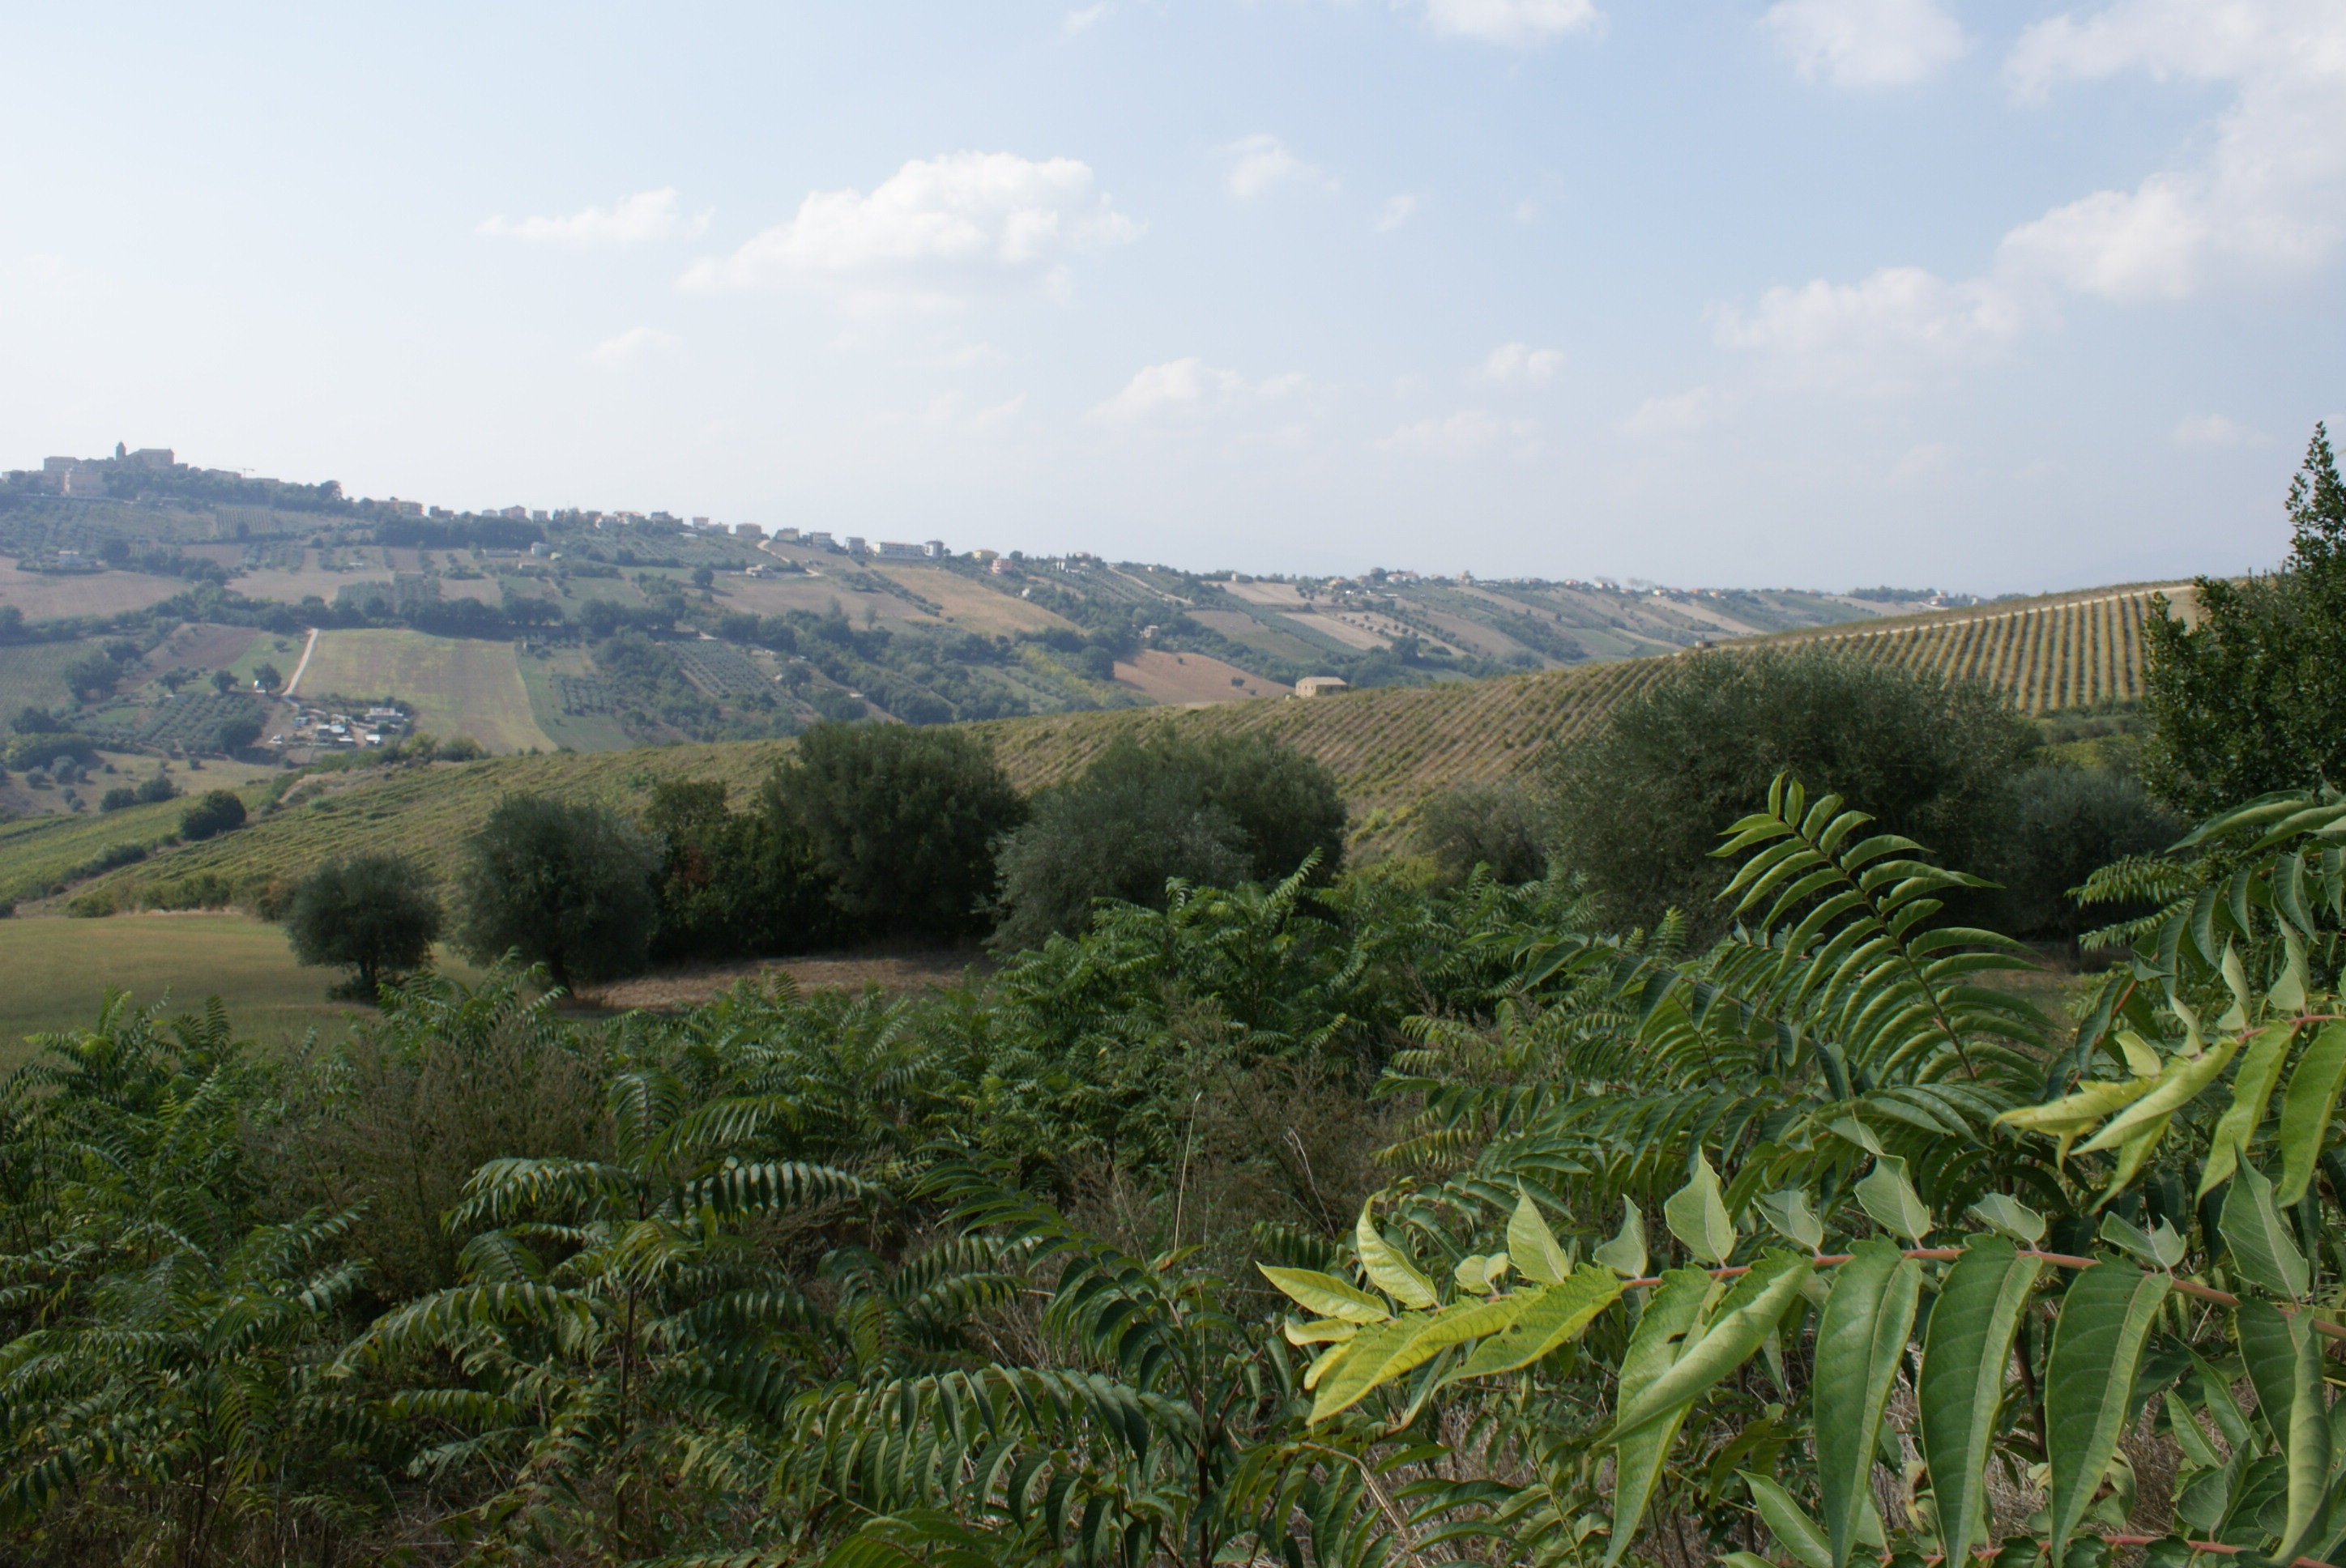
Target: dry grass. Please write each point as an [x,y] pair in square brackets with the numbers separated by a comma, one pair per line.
[1187,681]
[43,598]
[458,685]
[972,607]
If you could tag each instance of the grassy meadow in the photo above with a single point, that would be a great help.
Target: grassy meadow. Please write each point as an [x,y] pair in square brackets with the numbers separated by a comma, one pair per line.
[53,973]
[457,686]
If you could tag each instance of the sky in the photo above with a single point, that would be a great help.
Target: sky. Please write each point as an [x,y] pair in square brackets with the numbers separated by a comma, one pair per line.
[1982,295]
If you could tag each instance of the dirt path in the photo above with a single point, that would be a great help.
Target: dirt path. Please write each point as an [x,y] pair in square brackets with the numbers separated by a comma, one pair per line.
[308,648]
[895,973]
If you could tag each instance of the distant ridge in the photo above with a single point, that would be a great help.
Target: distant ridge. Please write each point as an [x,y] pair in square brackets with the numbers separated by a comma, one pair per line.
[1390,749]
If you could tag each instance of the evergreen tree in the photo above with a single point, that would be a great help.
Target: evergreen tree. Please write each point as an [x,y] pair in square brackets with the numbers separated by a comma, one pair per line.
[2249,699]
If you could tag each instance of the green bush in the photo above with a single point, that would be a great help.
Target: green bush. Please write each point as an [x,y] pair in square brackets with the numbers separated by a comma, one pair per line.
[1216,811]
[42,748]
[734,882]
[566,886]
[117,797]
[1638,804]
[157,789]
[902,821]
[2061,824]
[1500,826]
[375,915]
[215,812]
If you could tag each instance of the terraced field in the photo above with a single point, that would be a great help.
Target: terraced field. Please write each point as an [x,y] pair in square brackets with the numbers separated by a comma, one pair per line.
[2063,652]
[1389,748]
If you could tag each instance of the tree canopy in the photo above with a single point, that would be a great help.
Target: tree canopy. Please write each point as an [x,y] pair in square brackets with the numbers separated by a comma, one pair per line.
[565,885]
[2246,692]
[1636,803]
[902,821]
[376,915]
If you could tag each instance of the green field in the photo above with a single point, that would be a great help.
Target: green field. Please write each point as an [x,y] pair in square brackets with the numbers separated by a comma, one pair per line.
[32,675]
[457,686]
[52,972]
[579,732]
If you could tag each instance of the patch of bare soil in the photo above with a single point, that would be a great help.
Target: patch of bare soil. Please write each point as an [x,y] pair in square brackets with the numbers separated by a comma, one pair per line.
[895,973]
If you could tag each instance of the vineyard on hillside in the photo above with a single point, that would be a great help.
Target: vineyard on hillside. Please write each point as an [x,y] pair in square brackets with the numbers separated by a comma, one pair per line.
[1389,747]
[2050,655]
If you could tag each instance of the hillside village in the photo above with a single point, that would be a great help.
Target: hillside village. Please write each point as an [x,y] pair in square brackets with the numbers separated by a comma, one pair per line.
[294,608]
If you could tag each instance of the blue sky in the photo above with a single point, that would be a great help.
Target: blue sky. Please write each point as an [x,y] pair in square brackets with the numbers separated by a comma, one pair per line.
[1988,296]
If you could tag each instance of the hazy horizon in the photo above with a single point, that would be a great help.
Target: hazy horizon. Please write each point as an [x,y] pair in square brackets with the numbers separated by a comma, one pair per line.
[1989,297]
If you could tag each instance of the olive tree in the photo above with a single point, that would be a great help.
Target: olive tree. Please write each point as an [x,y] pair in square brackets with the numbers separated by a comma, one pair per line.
[376,915]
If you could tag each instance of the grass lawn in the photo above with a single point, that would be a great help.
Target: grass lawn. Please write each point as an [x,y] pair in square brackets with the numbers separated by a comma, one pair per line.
[52,972]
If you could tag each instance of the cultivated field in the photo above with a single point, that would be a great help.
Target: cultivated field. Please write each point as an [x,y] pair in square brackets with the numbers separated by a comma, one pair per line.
[53,972]
[2061,651]
[457,686]
[32,675]
[1187,680]
[773,596]
[970,606]
[43,597]
[541,674]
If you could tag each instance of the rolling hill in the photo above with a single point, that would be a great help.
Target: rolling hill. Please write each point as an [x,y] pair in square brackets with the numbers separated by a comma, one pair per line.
[1389,748]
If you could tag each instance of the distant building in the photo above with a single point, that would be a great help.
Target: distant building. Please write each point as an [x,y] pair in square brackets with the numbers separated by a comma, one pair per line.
[1001,567]
[405,508]
[151,457]
[889,550]
[934,549]
[1318,685]
[853,544]
[539,516]
[821,541]
[540,548]
[786,535]
[749,531]
[518,514]
[441,512]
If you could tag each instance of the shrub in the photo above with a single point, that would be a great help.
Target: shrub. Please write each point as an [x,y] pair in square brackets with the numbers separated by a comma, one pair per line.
[116,799]
[902,821]
[461,748]
[1501,825]
[156,789]
[1640,805]
[217,811]
[1219,812]
[36,721]
[2060,825]
[375,915]
[567,886]
[42,748]
[734,882]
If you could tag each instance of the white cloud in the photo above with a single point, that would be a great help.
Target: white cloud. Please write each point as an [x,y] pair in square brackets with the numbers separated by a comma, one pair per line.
[1917,464]
[1189,388]
[973,211]
[952,412]
[1879,333]
[1260,162]
[1397,212]
[2214,429]
[1866,43]
[635,343]
[631,220]
[1520,364]
[1081,21]
[2271,191]
[1466,433]
[1680,414]
[1519,24]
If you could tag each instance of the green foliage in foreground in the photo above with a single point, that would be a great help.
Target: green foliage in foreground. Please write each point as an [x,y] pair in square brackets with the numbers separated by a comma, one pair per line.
[1357,1225]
